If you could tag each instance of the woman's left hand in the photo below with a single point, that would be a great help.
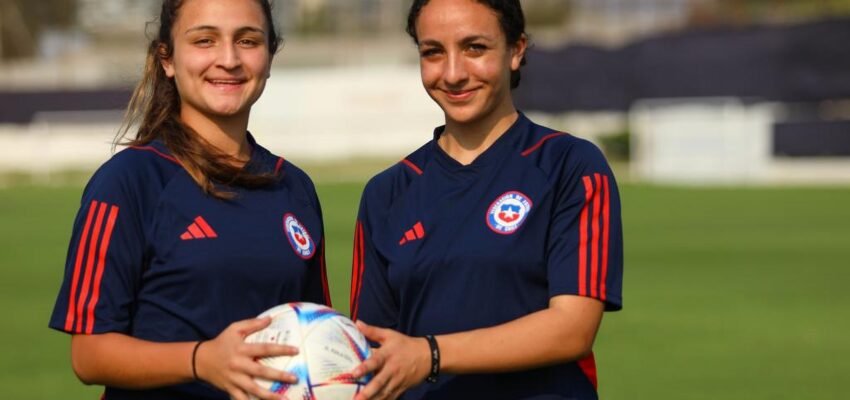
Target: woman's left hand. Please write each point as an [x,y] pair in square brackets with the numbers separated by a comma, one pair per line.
[400,363]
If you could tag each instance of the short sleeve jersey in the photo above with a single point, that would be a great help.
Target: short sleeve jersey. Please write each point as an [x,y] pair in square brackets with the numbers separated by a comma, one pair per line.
[442,247]
[154,257]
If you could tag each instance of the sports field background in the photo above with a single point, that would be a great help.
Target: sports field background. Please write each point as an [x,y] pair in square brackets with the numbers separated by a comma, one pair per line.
[730,293]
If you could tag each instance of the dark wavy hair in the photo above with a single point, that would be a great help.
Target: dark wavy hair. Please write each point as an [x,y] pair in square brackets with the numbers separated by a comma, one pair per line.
[155,108]
[511,20]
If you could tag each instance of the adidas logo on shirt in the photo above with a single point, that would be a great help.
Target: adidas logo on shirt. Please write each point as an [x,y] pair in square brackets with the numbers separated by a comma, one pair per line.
[418,232]
[199,229]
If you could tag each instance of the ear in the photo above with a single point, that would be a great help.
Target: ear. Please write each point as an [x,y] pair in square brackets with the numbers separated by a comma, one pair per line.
[166,62]
[518,52]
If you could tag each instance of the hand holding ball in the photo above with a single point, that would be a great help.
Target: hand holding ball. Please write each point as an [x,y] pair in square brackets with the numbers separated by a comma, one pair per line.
[330,347]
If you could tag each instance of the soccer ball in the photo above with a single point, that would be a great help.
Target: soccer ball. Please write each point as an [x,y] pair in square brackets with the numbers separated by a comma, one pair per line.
[329,344]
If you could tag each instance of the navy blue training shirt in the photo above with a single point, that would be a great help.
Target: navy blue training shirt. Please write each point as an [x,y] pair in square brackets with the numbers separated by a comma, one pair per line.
[152,256]
[441,248]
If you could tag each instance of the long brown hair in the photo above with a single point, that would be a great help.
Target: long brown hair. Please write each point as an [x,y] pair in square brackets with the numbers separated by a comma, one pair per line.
[155,108]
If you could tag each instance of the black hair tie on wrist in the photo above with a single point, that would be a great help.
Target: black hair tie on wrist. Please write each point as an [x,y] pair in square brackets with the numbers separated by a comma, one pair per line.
[435,359]
[194,354]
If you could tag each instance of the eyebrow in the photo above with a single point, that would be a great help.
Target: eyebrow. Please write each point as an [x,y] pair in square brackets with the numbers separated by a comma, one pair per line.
[430,42]
[213,28]
[466,40]
[470,39]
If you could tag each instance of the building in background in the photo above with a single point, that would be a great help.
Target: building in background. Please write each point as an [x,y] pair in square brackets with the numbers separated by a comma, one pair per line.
[611,22]
[724,104]
[65,65]
[114,17]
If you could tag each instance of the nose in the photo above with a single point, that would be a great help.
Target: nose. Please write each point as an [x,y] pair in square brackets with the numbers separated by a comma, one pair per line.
[228,57]
[455,73]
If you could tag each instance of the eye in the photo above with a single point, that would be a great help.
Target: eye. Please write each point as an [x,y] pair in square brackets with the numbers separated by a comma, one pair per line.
[245,42]
[203,42]
[429,52]
[476,48]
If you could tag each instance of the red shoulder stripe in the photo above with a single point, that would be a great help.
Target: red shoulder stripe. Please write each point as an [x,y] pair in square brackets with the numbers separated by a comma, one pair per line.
[362,262]
[594,255]
[325,290]
[279,164]
[606,214]
[534,148]
[412,166]
[159,153]
[355,271]
[360,267]
[90,256]
[101,262]
[582,245]
[81,249]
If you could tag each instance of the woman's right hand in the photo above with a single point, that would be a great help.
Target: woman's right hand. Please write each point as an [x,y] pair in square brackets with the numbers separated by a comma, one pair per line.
[230,364]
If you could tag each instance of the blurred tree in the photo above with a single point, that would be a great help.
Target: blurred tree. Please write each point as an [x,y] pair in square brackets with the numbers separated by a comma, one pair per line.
[540,13]
[22,21]
[314,18]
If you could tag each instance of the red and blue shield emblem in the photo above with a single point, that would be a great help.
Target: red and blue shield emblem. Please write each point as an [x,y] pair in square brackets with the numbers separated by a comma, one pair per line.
[508,212]
[298,236]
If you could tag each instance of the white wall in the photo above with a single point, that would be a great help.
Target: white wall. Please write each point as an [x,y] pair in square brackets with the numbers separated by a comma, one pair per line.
[345,112]
[318,114]
[718,141]
[305,114]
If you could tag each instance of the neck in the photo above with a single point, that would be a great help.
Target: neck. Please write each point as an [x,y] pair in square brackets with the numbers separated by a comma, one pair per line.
[227,135]
[464,142]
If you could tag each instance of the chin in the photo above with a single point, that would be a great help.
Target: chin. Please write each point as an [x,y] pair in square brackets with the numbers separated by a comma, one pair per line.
[227,109]
[462,115]
[222,112]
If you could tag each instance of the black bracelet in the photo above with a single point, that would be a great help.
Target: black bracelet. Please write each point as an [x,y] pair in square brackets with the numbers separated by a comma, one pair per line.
[435,359]
[195,353]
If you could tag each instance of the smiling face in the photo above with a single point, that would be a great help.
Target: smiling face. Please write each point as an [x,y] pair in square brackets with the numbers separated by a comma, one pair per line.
[465,60]
[221,60]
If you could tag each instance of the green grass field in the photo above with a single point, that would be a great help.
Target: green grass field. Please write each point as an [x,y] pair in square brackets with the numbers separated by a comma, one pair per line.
[729,293]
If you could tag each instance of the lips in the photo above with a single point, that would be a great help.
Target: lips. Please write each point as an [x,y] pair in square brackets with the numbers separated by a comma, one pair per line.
[226,83]
[459,95]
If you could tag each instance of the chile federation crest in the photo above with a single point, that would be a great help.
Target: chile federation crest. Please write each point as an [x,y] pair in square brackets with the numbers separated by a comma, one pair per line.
[508,212]
[298,236]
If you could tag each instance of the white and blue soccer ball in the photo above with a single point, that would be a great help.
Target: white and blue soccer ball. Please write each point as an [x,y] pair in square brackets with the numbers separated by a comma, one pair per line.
[329,344]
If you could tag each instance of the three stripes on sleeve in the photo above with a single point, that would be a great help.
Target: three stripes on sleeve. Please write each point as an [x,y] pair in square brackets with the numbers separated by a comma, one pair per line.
[89,263]
[594,232]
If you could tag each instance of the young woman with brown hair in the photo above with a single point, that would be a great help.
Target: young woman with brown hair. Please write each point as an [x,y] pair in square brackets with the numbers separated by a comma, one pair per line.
[184,237]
